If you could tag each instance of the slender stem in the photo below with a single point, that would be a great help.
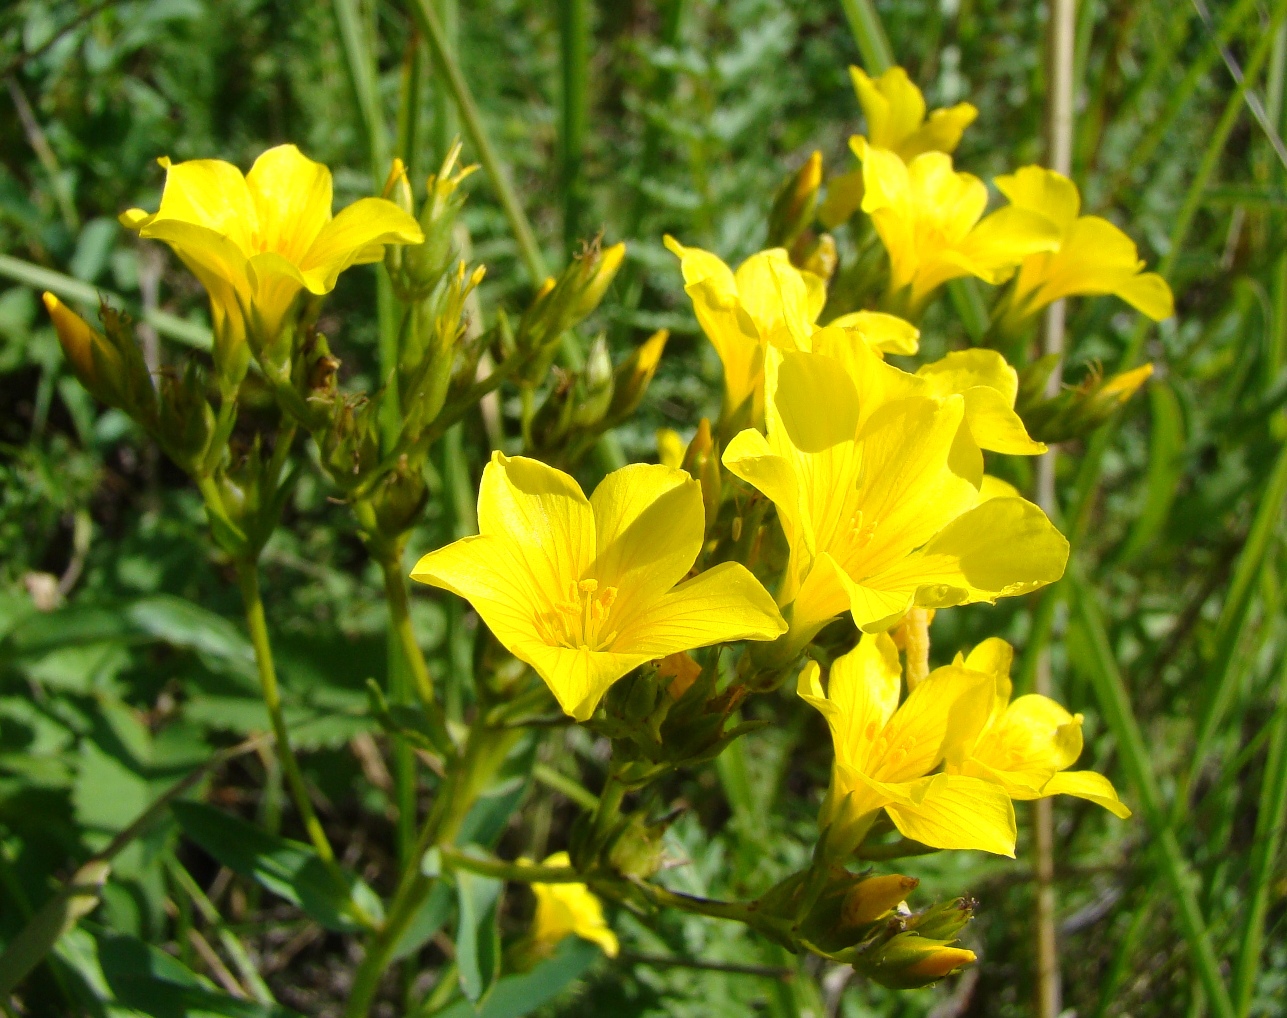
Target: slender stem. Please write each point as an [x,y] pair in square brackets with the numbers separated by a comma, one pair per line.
[231,943]
[426,19]
[574,46]
[1060,112]
[869,34]
[568,788]
[248,579]
[395,592]
[674,961]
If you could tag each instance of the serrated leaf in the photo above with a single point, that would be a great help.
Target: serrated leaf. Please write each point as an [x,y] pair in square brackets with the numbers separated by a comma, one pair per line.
[337,899]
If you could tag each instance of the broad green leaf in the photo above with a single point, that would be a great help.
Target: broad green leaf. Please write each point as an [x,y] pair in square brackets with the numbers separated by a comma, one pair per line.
[518,995]
[126,973]
[478,951]
[337,899]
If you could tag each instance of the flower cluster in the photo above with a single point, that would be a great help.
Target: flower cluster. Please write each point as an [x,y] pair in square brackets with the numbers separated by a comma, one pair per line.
[842,483]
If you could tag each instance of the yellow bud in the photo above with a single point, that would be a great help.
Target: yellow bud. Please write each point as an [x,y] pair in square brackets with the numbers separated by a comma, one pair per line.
[670,447]
[874,897]
[635,374]
[939,962]
[397,188]
[76,337]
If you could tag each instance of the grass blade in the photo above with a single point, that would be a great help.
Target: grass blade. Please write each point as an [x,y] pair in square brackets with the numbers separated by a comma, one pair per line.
[574,47]
[1115,702]
[869,34]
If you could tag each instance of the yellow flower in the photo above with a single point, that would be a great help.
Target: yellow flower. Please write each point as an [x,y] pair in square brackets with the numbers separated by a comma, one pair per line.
[1027,746]
[767,303]
[895,112]
[877,482]
[885,753]
[256,241]
[1093,256]
[584,590]
[931,221]
[565,909]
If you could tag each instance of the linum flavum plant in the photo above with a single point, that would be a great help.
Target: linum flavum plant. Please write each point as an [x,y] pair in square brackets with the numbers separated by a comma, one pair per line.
[801,542]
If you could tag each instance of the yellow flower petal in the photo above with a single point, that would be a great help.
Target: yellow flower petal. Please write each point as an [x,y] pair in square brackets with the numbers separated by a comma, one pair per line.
[352,234]
[577,678]
[723,604]
[951,702]
[886,333]
[963,369]
[1088,785]
[894,107]
[649,524]
[959,812]
[775,295]
[844,198]
[1004,238]
[861,696]
[292,196]
[1003,547]
[994,487]
[1148,293]
[1044,191]
[566,909]
[208,193]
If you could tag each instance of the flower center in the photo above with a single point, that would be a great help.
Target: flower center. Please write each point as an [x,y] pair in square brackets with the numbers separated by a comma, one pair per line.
[578,622]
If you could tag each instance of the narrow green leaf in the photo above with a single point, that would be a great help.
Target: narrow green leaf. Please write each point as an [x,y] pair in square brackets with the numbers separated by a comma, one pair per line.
[1165,470]
[519,995]
[290,869]
[1115,703]
[478,952]
[61,913]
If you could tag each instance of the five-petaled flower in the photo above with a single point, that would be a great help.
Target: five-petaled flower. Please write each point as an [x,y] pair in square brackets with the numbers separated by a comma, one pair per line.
[878,481]
[766,303]
[584,590]
[566,909]
[1025,746]
[930,219]
[1093,257]
[257,241]
[885,753]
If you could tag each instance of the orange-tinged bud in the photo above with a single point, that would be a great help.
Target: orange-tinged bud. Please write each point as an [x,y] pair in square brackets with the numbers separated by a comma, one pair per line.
[682,671]
[76,337]
[874,897]
[940,962]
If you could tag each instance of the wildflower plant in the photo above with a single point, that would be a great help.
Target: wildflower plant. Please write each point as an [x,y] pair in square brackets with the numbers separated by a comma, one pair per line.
[654,609]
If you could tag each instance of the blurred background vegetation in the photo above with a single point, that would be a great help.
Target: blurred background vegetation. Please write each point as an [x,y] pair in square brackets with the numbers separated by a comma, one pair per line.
[123,663]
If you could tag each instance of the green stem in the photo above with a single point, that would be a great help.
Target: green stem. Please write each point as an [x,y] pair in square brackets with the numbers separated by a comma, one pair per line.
[40,278]
[574,45]
[395,591]
[869,34]
[1115,702]
[426,18]
[248,579]
[231,943]
[519,873]
[455,796]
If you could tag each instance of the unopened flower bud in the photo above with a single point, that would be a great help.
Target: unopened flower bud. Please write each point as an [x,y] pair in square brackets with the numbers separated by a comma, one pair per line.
[908,961]
[92,359]
[635,374]
[637,850]
[874,897]
[399,499]
[186,421]
[821,258]
[397,188]
[702,462]
[596,385]
[682,671]
[670,447]
[425,263]
[795,203]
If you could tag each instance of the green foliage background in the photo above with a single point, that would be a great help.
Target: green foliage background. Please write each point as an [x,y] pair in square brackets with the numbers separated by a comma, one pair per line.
[698,109]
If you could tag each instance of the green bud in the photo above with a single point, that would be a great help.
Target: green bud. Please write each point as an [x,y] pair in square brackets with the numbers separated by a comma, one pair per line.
[350,446]
[701,460]
[795,203]
[108,364]
[637,849]
[424,265]
[399,499]
[186,423]
[595,386]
